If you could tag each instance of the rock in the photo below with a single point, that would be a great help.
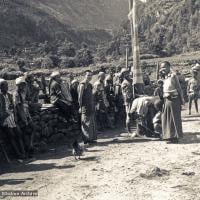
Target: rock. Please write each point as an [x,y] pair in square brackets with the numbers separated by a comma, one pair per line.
[154,172]
[56,138]
[188,173]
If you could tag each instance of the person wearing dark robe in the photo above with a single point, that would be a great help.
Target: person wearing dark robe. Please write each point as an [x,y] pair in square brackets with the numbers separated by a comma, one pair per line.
[74,92]
[75,104]
[7,121]
[60,96]
[101,103]
[173,99]
[22,116]
[87,111]
[159,90]
[157,123]
[193,91]
[110,96]
[32,93]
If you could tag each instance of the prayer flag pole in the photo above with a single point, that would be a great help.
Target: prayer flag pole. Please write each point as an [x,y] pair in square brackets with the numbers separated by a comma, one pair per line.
[136,69]
[127,55]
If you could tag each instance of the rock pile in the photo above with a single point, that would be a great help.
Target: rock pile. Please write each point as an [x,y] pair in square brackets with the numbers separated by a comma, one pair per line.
[51,127]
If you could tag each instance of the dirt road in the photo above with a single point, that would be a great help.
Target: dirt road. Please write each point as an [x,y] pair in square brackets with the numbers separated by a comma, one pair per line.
[118,168]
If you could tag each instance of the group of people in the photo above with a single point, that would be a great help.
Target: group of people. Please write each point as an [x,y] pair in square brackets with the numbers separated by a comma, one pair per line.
[109,102]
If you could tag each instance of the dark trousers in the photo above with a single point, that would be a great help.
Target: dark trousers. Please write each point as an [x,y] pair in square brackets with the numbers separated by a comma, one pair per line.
[195,98]
[14,137]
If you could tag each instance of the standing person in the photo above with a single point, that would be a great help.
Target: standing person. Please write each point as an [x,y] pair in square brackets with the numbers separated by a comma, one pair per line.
[173,99]
[193,90]
[127,92]
[75,104]
[159,90]
[60,95]
[7,121]
[86,103]
[120,114]
[22,115]
[110,96]
[101,102]
[32,93]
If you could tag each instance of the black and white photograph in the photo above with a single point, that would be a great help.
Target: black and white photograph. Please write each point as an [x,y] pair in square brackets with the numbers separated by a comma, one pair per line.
[99,99]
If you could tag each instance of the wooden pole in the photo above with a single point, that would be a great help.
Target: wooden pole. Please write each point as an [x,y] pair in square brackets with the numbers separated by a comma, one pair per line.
[131,24]
[157,71]
[127,56]
[137,71]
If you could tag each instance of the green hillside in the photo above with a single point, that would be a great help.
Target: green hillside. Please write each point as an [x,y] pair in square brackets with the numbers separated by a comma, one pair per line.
[165,28]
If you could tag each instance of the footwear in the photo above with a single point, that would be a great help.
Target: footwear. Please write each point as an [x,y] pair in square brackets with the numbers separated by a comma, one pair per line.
[92,142]
[77,150]
[173,141]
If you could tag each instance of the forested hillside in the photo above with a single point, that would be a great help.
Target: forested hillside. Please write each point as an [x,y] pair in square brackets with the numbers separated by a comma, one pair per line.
[165,28]
[23,21]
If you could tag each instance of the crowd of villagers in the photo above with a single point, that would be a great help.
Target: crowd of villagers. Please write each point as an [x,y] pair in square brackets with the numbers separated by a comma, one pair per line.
[110,102]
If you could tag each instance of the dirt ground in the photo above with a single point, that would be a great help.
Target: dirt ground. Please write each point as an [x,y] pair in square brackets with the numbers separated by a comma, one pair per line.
[118,168]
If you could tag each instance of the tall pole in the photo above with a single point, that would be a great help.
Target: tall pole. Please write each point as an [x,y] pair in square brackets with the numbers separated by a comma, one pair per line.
[131,24]
[127,55]
[137,71]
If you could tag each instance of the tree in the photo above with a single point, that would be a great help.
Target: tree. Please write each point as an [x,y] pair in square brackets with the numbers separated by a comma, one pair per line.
[100,54]
[84,57]
[67,62]
[66,49]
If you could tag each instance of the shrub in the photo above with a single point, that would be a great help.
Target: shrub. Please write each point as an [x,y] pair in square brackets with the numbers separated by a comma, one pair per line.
[67,62]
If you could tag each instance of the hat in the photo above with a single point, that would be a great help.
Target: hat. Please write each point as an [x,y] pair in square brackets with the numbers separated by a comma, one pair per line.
[194,70]
[74,81]
[2,80]
[123,70]
[101,74]
[28,75]
[20,80]
[109,78]
[196,67]
[54,74]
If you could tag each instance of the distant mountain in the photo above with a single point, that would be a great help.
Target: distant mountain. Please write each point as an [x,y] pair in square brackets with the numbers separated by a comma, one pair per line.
[165,27]
[86,14]
[92,21]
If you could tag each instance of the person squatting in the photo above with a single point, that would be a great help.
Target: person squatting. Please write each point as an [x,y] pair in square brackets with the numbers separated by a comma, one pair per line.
[110,102]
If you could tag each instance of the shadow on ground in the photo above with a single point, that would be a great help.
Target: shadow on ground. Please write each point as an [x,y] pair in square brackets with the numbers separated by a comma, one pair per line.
[13,181]
[190,138]
[31,167]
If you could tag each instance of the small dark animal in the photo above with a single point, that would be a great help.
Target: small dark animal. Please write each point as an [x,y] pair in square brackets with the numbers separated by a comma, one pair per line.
[77,150]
